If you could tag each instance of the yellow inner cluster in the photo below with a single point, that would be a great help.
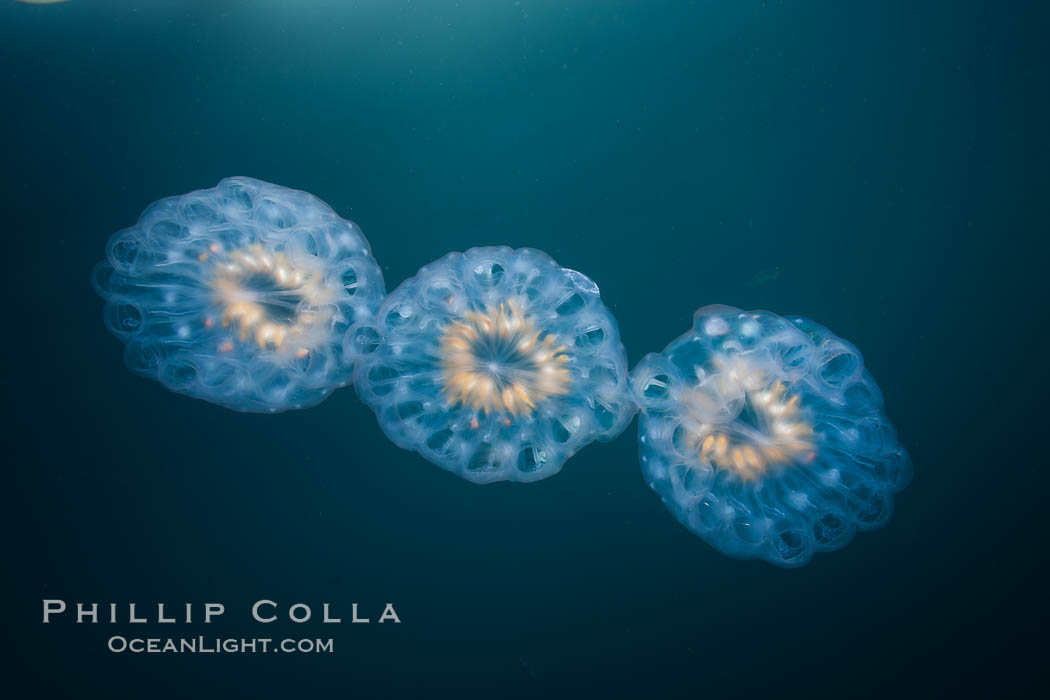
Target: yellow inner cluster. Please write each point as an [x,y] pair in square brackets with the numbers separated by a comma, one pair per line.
[782,434]
[498,360]
[246,309]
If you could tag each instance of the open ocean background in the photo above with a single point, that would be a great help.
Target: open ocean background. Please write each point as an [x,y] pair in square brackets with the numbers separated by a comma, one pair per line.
[880,167]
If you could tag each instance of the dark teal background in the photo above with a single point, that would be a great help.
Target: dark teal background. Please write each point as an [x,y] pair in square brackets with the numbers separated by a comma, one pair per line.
[880,167]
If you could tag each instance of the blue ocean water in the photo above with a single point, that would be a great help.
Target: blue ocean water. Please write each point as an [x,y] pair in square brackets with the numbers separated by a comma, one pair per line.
[876,166]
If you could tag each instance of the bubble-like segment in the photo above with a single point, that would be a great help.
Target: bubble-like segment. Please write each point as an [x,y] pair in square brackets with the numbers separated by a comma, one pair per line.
[496,364]
[240,295]
[766,436]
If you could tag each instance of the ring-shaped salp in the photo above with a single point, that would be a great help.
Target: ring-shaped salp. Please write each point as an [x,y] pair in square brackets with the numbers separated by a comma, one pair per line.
[495,364]
[240,295]
[766,436]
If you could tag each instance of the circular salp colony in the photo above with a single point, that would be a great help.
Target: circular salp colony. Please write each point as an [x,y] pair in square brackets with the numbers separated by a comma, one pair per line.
[496,364]
[240,295]
[766,436]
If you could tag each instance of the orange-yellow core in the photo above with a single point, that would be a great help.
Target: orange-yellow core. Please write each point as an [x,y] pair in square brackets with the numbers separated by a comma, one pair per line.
[498,360]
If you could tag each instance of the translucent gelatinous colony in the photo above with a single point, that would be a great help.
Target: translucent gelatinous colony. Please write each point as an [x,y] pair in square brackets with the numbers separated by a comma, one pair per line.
[496,364]
[240,295]
[766,436]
